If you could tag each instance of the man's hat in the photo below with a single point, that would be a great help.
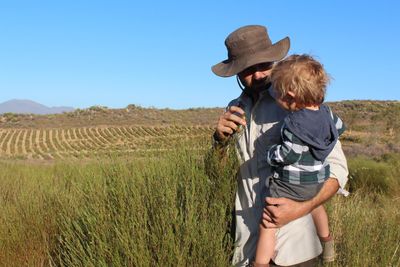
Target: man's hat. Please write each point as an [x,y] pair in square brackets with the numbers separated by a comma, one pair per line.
[248,46]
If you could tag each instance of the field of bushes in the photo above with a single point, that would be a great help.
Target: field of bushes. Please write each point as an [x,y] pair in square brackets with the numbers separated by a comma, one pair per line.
[171,210]
[372,130]
[94,141]
[147,194]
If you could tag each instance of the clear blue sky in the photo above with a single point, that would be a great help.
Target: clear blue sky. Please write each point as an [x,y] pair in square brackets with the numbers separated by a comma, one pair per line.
[159,53]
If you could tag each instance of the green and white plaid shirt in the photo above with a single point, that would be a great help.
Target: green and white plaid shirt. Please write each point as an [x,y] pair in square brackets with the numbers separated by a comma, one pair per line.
[293,162]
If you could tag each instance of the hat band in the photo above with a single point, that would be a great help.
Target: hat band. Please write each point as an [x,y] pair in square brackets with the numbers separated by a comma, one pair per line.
[237,51]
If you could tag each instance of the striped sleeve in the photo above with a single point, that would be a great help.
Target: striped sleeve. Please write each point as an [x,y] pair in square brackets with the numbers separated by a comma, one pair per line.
[338,122]
[288,151]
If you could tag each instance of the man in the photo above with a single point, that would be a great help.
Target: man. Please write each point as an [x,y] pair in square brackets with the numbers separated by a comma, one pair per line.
[251,55]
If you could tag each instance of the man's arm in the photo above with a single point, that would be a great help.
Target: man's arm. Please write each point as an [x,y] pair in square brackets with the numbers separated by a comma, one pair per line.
[280,211]
[338,165]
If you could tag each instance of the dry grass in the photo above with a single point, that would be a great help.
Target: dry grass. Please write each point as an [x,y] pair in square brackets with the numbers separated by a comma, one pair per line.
[170,210]
[372,130]
[77,191]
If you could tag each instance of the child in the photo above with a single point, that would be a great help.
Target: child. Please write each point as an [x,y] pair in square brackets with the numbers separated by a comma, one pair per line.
[308,135]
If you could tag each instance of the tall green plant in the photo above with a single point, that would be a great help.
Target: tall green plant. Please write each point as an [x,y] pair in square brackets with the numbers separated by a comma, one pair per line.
[166,212]
[379,176]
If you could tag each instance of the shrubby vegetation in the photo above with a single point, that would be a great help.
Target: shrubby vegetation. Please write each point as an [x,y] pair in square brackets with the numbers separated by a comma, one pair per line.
[144,195]
[379,175]
[117,212]
[170,210]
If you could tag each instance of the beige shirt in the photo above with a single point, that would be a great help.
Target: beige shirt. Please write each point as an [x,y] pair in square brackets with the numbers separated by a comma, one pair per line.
[297,241]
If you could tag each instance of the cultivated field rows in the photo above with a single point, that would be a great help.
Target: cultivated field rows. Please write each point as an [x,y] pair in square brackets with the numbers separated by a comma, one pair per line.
[81,142]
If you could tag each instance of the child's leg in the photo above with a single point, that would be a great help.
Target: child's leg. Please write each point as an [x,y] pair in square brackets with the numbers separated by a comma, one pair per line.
[321,223]
[320,218]
[265,245]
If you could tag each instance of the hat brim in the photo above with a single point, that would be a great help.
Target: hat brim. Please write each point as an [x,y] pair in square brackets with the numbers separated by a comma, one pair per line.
[276,52]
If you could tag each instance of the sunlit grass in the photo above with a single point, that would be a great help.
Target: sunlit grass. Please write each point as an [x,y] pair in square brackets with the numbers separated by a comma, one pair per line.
[170,210]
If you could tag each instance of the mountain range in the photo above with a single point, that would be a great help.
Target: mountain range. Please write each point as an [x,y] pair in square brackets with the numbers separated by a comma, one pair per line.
[30,107]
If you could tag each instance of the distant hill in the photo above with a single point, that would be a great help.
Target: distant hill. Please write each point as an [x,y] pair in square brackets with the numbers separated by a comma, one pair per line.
[30,107]
[358,115]
[373,127]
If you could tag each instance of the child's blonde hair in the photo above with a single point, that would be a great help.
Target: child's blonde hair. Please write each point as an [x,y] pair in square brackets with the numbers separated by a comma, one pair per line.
[302,75]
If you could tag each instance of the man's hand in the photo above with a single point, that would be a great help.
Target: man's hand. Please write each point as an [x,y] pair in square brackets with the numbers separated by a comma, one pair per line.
[229,121]
[280,211]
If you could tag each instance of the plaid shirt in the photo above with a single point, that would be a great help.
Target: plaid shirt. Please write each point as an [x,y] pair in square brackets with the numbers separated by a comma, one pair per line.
[292,161]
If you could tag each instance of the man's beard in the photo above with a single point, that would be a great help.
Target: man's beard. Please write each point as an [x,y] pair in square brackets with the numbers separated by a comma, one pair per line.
[258,86]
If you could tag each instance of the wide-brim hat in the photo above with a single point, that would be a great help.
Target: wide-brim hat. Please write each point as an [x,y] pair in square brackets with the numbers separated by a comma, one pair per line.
[248,46]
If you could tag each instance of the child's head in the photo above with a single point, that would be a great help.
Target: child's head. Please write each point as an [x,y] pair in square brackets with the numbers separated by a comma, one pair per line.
[299,81]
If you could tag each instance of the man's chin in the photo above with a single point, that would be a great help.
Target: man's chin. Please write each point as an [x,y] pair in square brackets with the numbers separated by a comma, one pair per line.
[260,87]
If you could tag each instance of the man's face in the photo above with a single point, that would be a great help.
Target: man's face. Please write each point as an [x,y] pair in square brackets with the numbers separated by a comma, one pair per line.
[257,76]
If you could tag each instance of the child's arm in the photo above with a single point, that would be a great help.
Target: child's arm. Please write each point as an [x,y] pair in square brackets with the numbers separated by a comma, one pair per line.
[340,126]
[288,151]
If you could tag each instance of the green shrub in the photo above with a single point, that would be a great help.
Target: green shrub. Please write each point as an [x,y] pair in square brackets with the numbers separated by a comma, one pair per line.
[169,210]
[164,212]
[378,176]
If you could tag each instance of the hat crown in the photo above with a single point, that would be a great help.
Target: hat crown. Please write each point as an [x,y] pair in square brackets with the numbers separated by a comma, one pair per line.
[247,41]
[248,46]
